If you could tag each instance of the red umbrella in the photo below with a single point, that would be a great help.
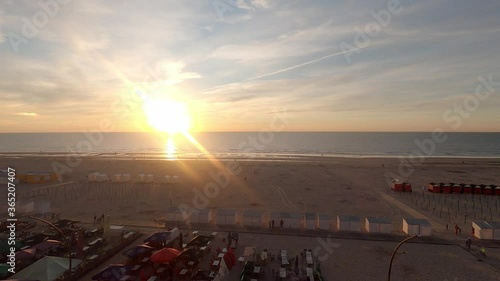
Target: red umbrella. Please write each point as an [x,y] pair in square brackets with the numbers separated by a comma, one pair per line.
[164,255]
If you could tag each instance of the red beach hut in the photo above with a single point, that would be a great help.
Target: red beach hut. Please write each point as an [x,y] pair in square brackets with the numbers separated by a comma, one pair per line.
[467,189]
[457,188]
[434,187]
[446,188]
[407,187]
[488,190]
[476,189]
[497,190]
[397,186]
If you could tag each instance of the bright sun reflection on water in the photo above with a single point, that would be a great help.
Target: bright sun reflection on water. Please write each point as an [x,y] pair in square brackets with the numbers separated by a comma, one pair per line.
[170,149]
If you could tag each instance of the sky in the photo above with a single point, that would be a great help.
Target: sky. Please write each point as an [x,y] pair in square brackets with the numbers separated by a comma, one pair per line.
[234,65]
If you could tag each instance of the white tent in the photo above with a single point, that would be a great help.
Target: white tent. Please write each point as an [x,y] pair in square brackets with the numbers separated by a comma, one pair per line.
[46,269]
[482,230]
[378,225]
[324,221]
[253,218]
[348,223]
[311,221]
[412,226]
[223,273]
[496,229]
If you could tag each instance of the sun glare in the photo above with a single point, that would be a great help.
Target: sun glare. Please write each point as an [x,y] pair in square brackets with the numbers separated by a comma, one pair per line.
[167,116]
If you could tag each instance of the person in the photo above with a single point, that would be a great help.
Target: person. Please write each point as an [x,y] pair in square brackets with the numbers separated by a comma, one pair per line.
[281,223]
[272,223]
[482,251]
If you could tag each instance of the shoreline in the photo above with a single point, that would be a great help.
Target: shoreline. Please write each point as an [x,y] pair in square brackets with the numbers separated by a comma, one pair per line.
[231,157]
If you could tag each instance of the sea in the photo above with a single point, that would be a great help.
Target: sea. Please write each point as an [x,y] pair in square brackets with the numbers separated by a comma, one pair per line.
[256,144]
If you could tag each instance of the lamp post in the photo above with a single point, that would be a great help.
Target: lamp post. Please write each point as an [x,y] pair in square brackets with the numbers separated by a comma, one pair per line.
[68,245]
[394,253]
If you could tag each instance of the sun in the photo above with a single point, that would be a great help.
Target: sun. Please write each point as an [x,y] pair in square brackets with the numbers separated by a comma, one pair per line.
[167,115]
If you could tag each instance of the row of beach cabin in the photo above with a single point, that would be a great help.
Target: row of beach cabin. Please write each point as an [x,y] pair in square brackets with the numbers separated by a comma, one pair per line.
[401,186]
[311,221]
[140,178]
[463,188]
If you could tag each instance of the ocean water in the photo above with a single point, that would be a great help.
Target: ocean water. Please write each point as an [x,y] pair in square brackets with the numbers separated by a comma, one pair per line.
[255,144]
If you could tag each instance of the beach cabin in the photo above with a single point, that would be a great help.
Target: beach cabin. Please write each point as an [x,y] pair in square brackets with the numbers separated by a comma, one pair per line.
[407,187]
[497,190]
[140,178]
[456,188]
[477,189]
[482,230]
[324,221]
[126,178]
[348,223]
[165,179]
[434,188]
[378,225]
[37,177]
[446,188]
[253,218]
[149,178]
[225,217]
[496,229]
[200,216]
[311,221]
[467,189]
[397,186]
[102,178]
[174,214]
[412,226]
[290,220]
[92,176]
[116,178]
[488,190]
[174,179]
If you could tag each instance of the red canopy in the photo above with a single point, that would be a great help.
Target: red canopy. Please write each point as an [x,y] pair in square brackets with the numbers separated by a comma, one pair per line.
[164,255]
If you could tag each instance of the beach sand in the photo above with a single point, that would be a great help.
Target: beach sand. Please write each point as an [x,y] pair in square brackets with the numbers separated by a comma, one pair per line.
[356,186]
[317,184]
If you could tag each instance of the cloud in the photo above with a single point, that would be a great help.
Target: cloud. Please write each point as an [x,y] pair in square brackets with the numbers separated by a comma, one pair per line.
[27,114]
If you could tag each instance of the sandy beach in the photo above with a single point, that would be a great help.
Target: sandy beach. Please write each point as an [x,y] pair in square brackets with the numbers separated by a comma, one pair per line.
[320,184]
[355,186]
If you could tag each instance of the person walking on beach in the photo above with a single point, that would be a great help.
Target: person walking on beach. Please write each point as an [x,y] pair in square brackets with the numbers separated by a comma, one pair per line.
[281,223]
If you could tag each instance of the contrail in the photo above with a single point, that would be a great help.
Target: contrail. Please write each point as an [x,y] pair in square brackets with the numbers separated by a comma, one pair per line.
[286,69]
[302,64]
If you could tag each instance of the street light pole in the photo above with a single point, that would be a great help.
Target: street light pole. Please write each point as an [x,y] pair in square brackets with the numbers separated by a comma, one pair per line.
[394,253]
[68,245]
